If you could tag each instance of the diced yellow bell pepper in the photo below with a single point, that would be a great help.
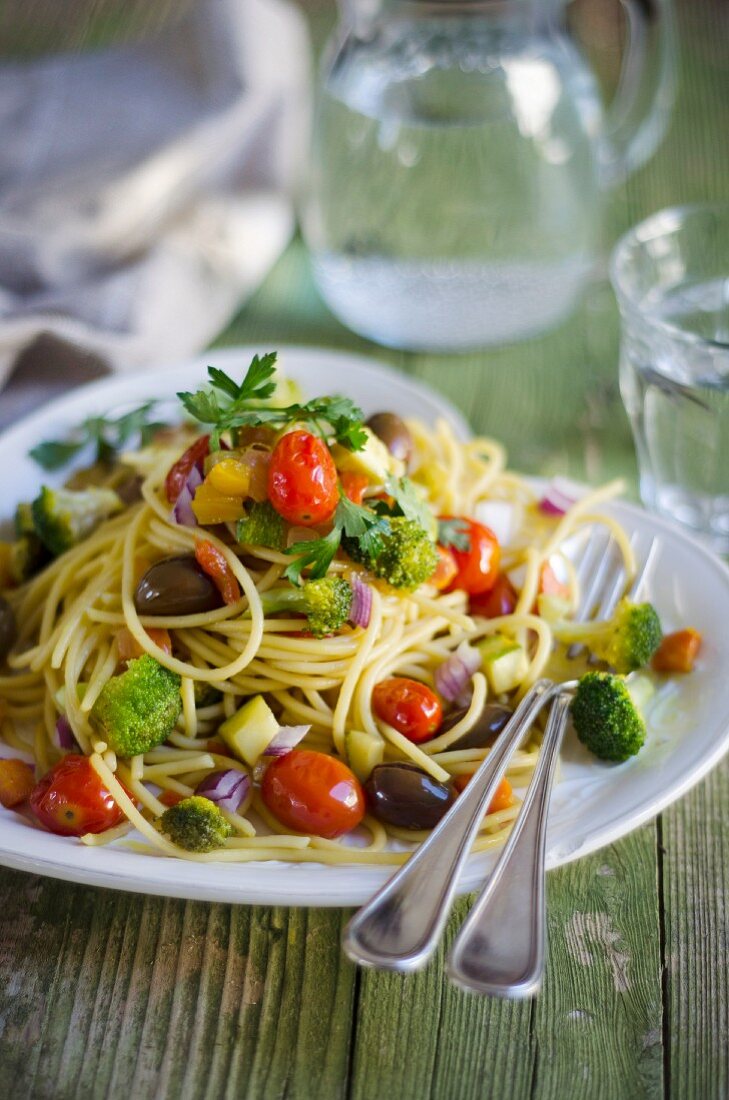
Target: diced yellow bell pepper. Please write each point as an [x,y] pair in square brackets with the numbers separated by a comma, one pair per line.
[231,477]
[210,506]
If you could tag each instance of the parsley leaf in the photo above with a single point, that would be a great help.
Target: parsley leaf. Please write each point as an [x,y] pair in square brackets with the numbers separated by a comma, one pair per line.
[350,519]
[408,502]
[107,435]
[227,406]
[454,532]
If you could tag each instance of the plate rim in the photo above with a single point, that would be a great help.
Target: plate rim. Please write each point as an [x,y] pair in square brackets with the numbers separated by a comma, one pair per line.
[276,892]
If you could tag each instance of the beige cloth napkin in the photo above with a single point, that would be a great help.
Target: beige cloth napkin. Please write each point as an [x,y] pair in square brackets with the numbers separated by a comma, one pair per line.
[145,191]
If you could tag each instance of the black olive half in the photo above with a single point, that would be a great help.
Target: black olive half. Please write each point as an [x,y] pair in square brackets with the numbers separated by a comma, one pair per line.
[176,586]
[8,628]
[406,796]
[483,734]
[394,433]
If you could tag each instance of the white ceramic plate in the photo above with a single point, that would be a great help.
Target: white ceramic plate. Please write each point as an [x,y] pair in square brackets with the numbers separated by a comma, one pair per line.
[593,804]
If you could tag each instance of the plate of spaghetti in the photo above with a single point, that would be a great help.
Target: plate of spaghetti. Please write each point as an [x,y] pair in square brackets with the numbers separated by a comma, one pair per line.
[262,616]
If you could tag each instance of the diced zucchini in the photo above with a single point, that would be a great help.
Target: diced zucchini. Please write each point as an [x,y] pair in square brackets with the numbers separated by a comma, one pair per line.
[504,661]
[364,752]
[250,730]
[553,608]
[374,460]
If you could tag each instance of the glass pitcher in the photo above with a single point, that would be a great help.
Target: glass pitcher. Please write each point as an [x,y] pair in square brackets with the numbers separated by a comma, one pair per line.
[460,148]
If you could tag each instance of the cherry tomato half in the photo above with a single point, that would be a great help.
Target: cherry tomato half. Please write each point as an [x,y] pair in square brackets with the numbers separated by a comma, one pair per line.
[302,479]
[499,600]
[478,565]
[178,474]
[445,570]
[213,562]
[409,707]
[313,793]
[72,800]
[354,485]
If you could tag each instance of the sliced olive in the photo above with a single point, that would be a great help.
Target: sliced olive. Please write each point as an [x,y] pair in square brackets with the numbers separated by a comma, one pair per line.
[489,725]
[176,586]
[405,795]
[394,433]
[8,628]
[129,490]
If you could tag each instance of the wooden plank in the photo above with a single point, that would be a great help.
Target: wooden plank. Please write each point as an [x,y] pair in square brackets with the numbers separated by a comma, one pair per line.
[695,879]
[598,1022]
[106,994]
[595,1031]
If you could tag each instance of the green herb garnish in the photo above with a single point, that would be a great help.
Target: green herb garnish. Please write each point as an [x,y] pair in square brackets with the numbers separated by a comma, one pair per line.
[107,435]
[351,520]
[454,532]
[225,406]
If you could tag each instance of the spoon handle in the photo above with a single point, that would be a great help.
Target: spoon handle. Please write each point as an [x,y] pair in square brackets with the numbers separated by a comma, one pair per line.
[400,927]
[500,947]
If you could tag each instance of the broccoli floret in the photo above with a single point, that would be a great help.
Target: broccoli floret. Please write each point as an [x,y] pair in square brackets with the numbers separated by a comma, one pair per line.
[263,526]
[28,555]
[634,637]
[62,517]
[137,710]
[605,717]
[325,602]
[205,694]
[404,557]
[195,824]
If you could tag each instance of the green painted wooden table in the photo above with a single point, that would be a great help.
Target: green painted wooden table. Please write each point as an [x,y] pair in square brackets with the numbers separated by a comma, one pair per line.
[110,994]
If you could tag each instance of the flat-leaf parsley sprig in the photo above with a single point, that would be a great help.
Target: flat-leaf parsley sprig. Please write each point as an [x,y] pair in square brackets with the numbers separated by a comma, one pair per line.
[106,434]
[225,406]
[351,520]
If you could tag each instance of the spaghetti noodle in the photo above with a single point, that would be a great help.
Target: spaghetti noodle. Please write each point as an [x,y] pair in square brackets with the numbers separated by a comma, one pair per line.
[71,615]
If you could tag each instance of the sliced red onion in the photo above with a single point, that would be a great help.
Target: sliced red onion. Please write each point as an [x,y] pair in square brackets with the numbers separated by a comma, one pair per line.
[559,496]
[360,610]
[182,512]
[64,734]
[453,677]
[285,740]
[227,789]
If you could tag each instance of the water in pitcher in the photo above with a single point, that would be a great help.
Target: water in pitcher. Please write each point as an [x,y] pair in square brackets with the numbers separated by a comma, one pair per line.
[454,198]
[677,396]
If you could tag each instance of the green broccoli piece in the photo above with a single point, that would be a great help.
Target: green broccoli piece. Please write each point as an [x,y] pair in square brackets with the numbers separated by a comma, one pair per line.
[62,517]
[24,519]
[605,717]
[28,555]
[205,694]
[325,602]
[263,526]
[404,557]
[195,824]
[137,710]
[634,637]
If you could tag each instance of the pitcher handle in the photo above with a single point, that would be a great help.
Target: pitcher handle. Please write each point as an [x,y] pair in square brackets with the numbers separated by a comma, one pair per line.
[638,116]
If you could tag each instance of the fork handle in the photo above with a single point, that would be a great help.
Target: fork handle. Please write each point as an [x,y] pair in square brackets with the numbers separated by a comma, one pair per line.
[399,928]
[500,947]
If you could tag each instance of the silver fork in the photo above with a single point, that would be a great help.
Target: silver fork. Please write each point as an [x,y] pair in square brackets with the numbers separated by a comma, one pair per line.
[500,947]
[399,928]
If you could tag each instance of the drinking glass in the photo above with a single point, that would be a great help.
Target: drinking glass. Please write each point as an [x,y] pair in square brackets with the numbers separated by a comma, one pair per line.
[671,278]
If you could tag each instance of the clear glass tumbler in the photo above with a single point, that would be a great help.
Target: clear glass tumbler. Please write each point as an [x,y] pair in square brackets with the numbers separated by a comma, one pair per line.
[671,278]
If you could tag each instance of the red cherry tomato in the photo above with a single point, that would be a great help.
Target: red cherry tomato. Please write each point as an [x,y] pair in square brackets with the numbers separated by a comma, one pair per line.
[178,473]
[354,485]
[445,570]
[302,479]
[311,792]
[500,600]
[72,800]
[478,565]
[409,707]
